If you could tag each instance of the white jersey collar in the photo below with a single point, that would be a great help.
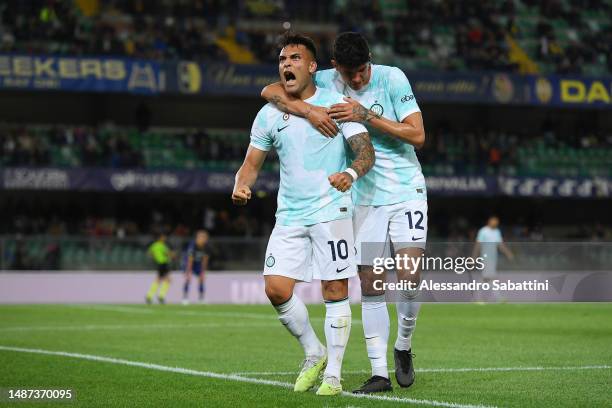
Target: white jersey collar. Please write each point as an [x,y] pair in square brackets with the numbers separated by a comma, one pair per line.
[314,95]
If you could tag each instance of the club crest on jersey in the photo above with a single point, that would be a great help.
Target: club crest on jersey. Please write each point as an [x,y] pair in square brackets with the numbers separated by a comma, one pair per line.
[286,116]
[270,261]
[377,108]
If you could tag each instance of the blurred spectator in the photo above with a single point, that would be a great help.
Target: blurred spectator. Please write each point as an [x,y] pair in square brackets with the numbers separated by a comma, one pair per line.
[52,257]
[19,261]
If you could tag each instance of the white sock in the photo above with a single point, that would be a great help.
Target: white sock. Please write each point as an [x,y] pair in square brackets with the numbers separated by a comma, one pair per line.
[294,316]
[407,312]
[337,331]
[376,330]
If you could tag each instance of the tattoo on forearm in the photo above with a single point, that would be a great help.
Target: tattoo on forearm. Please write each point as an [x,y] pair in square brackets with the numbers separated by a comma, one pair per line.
[278,101]
[364,153]
[363,114]
[360,112]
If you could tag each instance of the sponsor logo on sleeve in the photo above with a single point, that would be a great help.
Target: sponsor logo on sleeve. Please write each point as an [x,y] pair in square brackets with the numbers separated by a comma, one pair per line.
[407,98]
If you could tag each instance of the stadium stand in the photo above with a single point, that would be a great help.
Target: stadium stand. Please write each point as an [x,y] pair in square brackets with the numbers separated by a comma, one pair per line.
[69,229]
[449,151]
[551,36]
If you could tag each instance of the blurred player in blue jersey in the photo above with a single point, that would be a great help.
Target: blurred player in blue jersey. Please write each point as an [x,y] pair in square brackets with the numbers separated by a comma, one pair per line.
[196,264]
[390,200]
[313,218]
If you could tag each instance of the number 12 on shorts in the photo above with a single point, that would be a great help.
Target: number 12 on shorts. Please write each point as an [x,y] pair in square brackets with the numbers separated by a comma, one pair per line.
[340,248]
[419,217]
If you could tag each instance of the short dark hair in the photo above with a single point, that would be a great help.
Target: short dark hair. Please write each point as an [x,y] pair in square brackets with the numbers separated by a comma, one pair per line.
[351,49]
[291,38]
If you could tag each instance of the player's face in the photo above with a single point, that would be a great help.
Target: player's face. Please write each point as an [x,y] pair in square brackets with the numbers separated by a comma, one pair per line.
[493,222]
[355,77]
[296,66]
[201,238]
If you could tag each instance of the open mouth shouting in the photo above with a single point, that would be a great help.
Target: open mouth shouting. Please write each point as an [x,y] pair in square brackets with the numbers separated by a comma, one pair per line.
[290,78]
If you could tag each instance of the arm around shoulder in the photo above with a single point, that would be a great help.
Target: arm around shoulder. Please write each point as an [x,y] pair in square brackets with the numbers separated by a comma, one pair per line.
[316,115]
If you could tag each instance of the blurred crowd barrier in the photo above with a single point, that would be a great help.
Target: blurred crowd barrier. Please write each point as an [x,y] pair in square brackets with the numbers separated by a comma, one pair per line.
[49,253]
[127,254]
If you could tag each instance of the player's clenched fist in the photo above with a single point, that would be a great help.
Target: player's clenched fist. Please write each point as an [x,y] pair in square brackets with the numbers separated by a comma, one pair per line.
[241,195]
[341,181]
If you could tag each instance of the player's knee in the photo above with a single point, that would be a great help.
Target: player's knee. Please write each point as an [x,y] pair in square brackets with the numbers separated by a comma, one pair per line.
[335,290]
[410,270]
[369,290]
[367,279]
[277,294]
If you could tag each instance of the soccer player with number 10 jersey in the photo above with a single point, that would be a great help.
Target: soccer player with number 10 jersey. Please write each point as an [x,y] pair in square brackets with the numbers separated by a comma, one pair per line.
[390,200]
[313,218]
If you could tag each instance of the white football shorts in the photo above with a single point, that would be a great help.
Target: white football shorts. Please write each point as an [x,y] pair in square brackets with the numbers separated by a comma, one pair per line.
[381,229]
[324,251]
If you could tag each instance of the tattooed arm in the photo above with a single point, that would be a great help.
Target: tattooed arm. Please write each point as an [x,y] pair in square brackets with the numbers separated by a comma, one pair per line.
[364,153]
[316,115]
[364,160]
[410,130]
[275,93]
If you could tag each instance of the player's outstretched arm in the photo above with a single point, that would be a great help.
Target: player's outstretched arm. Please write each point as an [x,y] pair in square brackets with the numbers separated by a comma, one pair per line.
[410,130]
[247,175]
[316,115]
[361,145]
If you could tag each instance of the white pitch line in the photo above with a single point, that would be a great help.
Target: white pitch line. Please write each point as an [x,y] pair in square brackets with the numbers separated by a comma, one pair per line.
[243,315]
[231,377]
[93,327]
[536,368]
[123,309]
[223,314]
[448,370]
[127,309]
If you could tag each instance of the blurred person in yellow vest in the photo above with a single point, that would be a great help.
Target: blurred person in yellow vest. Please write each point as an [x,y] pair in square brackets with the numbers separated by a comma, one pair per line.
[162,255]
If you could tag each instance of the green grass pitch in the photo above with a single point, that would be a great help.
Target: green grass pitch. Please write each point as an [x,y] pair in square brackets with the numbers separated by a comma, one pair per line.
[568,347]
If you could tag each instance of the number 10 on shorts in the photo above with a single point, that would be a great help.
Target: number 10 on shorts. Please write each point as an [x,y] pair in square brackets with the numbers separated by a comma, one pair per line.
[339,248]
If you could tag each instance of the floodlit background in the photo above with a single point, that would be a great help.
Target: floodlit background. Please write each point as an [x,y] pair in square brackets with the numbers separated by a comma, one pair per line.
[122,119]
